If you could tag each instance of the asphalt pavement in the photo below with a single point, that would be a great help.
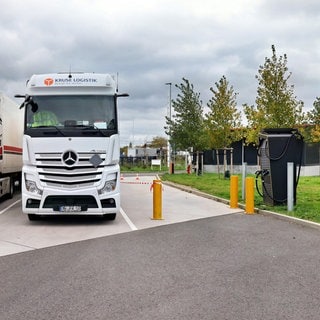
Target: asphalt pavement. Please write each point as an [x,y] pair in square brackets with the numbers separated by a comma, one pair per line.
[229,267]
[18,234]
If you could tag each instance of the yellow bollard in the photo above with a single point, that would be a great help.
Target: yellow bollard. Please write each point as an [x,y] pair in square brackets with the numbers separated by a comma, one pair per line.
[234,192]
[250,195]
[157,200]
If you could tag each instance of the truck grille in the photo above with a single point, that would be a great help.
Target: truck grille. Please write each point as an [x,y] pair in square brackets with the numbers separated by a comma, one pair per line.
[70,170]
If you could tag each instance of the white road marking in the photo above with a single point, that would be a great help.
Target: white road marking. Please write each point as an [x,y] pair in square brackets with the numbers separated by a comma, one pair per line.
[11,205]
[129,222]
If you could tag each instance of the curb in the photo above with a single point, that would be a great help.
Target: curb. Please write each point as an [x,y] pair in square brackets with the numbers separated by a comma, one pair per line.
[242,206]
[195,191]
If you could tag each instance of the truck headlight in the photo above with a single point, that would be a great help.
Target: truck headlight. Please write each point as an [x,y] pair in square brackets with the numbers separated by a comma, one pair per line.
[31,186]
[109,186]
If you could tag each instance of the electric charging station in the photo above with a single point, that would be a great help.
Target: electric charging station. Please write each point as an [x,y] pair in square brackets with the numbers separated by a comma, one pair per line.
[277,147]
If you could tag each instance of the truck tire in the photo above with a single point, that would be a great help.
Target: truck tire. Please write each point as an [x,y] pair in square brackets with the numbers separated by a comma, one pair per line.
[11,188]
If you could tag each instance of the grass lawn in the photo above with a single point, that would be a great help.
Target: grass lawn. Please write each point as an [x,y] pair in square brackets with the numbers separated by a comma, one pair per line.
[308,193]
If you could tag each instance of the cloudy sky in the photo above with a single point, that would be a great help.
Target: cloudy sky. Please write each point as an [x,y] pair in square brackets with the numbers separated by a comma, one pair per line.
[152,42]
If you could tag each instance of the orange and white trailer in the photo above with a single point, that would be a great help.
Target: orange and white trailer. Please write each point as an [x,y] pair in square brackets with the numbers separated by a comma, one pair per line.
[11,134]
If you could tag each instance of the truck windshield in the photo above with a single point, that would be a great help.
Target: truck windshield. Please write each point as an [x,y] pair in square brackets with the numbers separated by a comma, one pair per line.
[71,114]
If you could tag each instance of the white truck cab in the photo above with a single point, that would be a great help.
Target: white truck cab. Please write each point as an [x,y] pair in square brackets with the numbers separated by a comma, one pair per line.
[71,146]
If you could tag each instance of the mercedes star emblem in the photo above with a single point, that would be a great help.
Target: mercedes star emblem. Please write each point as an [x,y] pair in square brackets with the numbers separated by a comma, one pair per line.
[69,158]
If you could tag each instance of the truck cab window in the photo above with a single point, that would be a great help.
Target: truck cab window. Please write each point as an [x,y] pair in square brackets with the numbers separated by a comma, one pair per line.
[71,113]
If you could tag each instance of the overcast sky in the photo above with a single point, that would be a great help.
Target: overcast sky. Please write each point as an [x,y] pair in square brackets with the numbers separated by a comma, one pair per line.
[152,42]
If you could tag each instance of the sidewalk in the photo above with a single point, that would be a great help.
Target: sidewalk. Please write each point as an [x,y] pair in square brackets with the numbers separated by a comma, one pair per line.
[242,206]
[177,204]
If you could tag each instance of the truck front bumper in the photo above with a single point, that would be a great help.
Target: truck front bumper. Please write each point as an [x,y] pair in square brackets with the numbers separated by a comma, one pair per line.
[80,202]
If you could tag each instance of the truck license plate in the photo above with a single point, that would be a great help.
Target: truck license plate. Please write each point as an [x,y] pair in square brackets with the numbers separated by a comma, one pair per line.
[70,209]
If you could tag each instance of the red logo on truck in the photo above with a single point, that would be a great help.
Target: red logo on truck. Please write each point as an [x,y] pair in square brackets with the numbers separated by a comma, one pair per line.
[48,81]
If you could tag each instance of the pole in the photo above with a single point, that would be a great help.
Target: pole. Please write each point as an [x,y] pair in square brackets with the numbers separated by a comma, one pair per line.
[157,200]
[224,161]
[249,195]
[169,146]
[234,192]
[290,186]
[231,160]
[244,174]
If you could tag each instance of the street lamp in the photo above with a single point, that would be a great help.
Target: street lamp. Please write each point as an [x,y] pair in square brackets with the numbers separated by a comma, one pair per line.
[169,147]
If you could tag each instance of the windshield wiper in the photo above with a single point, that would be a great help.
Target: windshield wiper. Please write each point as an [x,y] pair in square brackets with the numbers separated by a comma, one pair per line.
[85,127]
[42,127]
[93,127]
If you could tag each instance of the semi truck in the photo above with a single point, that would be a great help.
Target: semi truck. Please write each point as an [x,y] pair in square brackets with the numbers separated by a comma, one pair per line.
[71,146]
[11,131]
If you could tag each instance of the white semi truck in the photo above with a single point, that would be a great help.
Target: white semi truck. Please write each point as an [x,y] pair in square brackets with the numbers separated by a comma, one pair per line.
[71,146]
[11,131]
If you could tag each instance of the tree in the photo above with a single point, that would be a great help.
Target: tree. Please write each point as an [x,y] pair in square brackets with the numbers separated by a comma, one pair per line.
[314,120]
[186,126]
[276,105]
[158,142]
[223,121]
[124,150]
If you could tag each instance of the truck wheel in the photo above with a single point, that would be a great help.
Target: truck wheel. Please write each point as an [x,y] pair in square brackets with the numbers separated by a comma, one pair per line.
[11,190]
[33,217]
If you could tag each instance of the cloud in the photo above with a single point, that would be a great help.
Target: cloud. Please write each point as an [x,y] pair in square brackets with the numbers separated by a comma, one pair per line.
[149,43]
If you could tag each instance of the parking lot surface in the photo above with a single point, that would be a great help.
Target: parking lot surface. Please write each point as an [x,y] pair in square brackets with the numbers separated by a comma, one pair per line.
[18,234]
[230,267]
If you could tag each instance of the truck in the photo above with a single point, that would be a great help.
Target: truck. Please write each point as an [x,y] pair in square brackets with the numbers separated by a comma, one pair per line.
[11,131]
[71,145]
